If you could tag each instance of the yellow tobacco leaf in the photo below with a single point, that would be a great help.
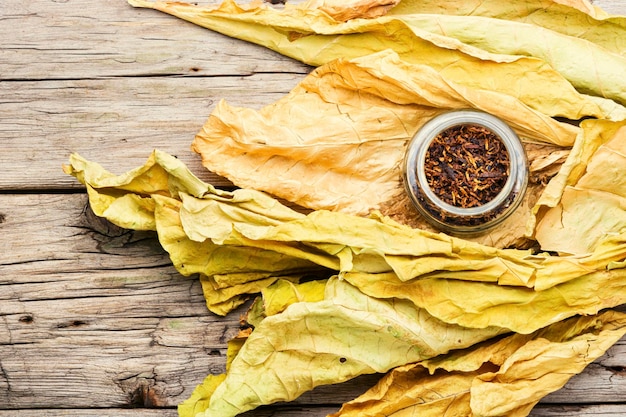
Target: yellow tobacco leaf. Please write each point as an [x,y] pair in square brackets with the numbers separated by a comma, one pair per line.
[148,198]
[278,292]
[584,6]
[504,376]
[313,37]
[223,300]
[199,399]
[234,346]
[398,289]
[602,77]
[576,18]
[205,257]
[373,245]
[191,256]
[411,390]
[542,366]
[344,10]
[586,202]
[242,206]
[480,304]
[281,294]
[237,240]
[330,341]
[364,115]
[121,199]
[126,199]
[377,245]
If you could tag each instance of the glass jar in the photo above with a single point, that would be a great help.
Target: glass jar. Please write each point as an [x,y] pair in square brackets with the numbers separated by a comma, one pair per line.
[452,218]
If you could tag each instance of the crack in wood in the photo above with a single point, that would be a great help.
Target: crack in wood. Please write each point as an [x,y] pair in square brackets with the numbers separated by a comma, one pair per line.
[114,240]
[92,222]
[32,261]
[617,370]
[4,376]
[72,323]
[227,334]
[27,319]
[141,390]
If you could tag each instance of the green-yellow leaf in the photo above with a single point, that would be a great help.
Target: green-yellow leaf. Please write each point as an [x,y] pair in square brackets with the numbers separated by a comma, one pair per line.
[522,310]
[281,294]
[602,76]
[494,378]
[573,18]
[330,341]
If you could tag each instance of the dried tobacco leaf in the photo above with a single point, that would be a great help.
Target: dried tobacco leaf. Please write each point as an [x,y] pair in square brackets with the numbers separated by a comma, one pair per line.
[345,335]
[148,198]
[586,202]
[602,77]
[244,241]
[313,37]
[310,180]
[577,18]
[344,10]
[278,296]
[498,377]
[519,309]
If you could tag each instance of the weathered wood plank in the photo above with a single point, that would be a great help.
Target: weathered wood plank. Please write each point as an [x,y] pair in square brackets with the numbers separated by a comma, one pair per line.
[611,6]
[116,122]
[86,412]
[78,39]
[95,320]
[539,411]
[92,315]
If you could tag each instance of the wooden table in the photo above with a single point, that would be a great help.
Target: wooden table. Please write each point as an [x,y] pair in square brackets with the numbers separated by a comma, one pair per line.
[94,321]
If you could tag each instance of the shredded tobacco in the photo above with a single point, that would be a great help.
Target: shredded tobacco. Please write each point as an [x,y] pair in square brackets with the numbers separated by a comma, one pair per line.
[466,165]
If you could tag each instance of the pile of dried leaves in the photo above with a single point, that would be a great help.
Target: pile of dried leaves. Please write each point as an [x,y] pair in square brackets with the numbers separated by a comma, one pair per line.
[480,327]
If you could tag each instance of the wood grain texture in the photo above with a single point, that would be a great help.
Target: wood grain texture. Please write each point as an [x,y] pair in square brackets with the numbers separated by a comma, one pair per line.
[77,39]
[611,6]
[602,410]
[116,122]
